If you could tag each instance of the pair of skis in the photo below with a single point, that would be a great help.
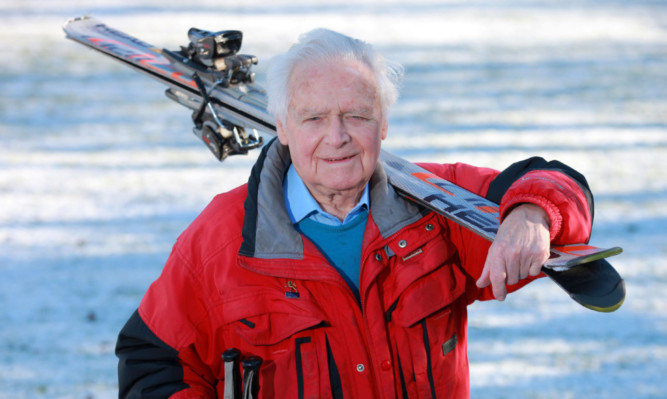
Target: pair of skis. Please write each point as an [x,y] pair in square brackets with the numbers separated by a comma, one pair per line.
[209,77]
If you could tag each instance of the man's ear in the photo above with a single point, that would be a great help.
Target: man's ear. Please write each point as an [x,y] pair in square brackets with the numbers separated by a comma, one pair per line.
[280,130]
[385,127]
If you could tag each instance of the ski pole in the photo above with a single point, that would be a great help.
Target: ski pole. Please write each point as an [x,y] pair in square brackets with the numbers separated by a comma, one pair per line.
[250,379]
[232,378]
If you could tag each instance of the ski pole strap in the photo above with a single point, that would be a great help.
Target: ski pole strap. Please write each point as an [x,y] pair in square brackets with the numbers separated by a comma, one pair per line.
[197,116]
[250,378]
[232,378]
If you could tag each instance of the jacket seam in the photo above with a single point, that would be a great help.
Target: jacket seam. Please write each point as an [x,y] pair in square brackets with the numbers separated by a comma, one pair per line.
[209,301]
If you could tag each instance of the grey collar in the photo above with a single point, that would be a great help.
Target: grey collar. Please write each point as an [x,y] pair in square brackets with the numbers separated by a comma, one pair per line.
[275,236]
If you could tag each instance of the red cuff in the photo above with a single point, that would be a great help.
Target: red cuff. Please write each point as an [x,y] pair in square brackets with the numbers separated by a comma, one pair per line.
[555,217]
[561,198]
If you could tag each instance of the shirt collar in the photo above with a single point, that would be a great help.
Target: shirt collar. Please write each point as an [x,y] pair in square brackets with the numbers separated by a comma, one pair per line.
[301,204]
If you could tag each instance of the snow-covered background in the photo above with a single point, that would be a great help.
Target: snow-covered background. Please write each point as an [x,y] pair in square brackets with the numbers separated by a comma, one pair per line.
[99,172]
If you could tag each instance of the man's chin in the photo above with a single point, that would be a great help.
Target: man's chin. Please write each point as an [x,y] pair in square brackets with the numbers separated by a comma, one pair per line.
[343,186]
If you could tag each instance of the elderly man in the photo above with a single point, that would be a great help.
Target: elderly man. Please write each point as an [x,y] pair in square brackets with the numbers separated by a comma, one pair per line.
[317,266]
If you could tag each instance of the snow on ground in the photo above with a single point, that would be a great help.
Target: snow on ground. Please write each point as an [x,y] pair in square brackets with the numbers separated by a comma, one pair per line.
[99,173]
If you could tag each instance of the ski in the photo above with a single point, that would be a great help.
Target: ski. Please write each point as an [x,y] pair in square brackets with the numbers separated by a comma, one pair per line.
[210,78]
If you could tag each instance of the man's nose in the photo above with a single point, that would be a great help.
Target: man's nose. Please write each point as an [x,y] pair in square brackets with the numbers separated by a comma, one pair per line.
[337,133]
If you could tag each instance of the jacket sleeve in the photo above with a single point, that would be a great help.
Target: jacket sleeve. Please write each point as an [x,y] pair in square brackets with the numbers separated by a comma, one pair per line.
[156,348]
[147,367]
[558,189]
[171,347]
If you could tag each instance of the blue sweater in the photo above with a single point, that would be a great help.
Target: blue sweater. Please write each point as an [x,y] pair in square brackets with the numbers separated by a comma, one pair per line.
[340,244]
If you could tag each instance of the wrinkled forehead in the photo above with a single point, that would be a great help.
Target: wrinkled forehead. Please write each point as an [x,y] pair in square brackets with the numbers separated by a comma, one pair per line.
[323,68]
[317,88]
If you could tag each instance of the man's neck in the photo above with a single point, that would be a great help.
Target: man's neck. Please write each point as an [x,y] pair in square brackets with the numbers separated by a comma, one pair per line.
[338,204]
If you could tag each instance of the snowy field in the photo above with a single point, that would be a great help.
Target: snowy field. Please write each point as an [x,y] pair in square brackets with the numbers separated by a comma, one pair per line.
[99,172]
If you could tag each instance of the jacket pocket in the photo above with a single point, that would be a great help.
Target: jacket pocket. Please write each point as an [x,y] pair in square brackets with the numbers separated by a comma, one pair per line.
[265,317]
[416,254]
[427,324]
[290,338]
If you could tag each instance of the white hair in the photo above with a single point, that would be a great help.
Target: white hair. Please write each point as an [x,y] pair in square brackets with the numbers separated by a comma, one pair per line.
[323,45]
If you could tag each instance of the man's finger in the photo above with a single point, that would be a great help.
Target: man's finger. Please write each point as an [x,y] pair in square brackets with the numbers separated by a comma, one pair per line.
[536,267]
[498,277]
[483,280]
[513,274]
[526,265]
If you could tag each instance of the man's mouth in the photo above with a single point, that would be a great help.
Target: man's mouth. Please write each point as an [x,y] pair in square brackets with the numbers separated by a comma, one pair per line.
[339,159]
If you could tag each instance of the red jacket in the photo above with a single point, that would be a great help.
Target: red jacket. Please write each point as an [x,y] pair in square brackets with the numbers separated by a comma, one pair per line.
[241,276]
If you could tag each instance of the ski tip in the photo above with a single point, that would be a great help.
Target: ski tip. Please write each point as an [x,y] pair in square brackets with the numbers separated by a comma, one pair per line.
[67,25]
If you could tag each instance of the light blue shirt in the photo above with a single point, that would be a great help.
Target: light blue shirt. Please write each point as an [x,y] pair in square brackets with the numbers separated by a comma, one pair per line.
[301,204]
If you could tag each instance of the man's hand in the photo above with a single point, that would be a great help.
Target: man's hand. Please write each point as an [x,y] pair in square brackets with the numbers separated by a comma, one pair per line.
[520,249]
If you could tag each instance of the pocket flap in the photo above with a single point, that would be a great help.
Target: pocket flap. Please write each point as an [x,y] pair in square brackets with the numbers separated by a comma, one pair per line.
[272,328]
[267,317]
[433,255]
[428,295]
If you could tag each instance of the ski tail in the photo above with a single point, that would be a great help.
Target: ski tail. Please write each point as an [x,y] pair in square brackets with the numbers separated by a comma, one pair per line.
[595,285]
[567,256]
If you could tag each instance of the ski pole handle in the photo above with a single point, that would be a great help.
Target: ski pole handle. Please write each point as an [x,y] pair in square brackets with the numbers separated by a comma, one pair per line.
[250,378]
[232,377]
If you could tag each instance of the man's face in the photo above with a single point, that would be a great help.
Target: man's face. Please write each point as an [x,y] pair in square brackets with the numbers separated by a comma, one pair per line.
[334,126]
